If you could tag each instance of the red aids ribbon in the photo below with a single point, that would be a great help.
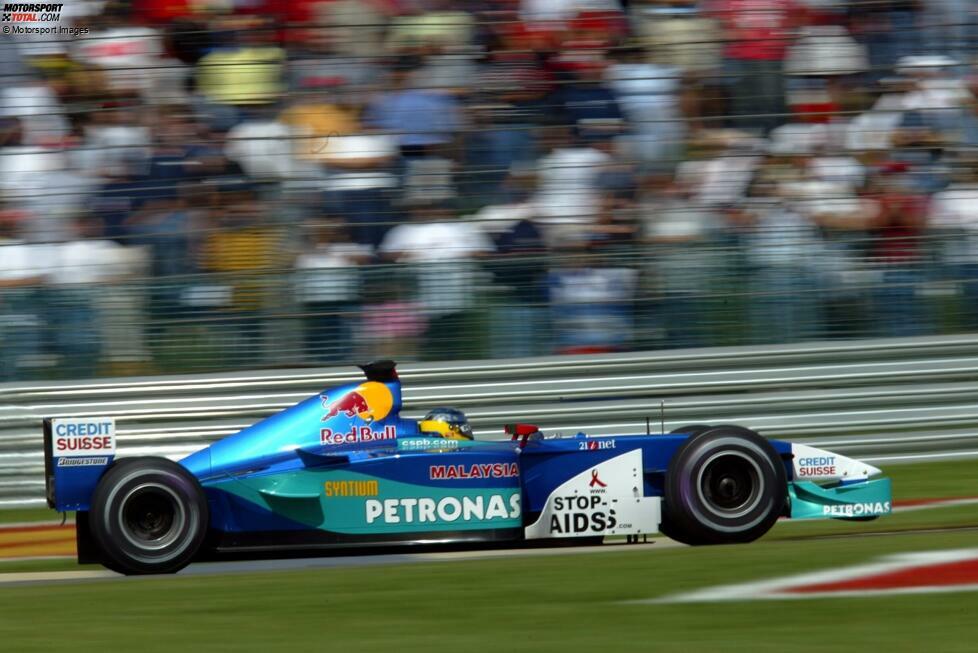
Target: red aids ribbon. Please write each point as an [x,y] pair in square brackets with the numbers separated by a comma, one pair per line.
[595,480]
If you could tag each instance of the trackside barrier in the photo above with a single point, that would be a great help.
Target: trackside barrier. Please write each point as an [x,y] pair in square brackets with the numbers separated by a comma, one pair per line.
[886,401]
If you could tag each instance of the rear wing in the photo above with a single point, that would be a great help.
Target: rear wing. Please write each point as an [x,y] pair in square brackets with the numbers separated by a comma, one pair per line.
[77,451]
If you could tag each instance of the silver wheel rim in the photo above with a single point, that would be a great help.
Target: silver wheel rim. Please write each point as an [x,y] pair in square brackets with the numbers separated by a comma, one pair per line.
[146,498]
[743,468]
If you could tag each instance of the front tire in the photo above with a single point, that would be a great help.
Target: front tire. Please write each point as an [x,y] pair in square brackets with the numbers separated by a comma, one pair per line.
[693,430]
[726,485]
[148,516]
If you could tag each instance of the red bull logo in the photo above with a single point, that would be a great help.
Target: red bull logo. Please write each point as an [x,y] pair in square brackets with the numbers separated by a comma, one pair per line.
[350,404]
[370,401]
[357,435]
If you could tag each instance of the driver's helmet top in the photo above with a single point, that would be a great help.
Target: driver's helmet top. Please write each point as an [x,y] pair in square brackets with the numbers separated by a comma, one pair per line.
[446,422]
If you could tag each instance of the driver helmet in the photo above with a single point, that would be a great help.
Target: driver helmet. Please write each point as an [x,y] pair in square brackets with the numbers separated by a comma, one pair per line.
[449,423]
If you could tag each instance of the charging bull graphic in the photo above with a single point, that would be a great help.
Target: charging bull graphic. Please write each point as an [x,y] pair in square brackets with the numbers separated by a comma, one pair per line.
[351,404]
[370,401]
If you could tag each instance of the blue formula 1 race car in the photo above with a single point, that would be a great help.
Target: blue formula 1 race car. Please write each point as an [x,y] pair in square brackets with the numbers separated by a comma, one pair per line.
[343,469]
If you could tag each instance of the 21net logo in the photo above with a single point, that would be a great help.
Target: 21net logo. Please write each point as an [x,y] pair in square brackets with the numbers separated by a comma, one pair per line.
[29,12]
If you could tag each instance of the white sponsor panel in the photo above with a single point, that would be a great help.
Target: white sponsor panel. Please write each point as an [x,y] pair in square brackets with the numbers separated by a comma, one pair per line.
[811,464]
[602,500]
[82,436]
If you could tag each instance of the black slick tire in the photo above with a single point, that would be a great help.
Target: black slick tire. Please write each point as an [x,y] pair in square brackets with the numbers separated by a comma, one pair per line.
[148,516]
[726,485]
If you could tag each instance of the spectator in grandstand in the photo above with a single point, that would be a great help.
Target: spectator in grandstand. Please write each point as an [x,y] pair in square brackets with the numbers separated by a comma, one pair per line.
[442,252]
[648,95]
[356,27]
[75,270]
[591,302]
[262,145]
[721,170]
[117,138]
[680,261]
[323,58]
[424,122]
[588,103]
[130,56]
[517,203]
[362,185]
[21,320]
[897,250]
[678,34]
[38,108]
[937,110]
[822,63]
[614,229]
[430,24]
[122,191]
[441,33]
[166,227]
[242,75]
[518,319]
[39,180]
[953,217]
[511,100]
[181,154]
[359,165]
[244,247]
[781,248]
[328,286]
[950,27]
[822,184]
[319,113]
[757,34]
[392,323]
[568,194]
[889,29]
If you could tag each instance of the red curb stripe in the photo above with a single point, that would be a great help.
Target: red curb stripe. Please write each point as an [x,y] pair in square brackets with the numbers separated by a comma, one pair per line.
[946,574]
[56,540]
[902,503]
[36,529]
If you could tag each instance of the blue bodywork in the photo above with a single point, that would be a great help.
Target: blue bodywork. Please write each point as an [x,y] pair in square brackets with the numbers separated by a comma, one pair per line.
[343,467]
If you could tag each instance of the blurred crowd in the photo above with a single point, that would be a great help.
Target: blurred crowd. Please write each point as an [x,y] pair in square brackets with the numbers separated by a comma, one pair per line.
[220,183]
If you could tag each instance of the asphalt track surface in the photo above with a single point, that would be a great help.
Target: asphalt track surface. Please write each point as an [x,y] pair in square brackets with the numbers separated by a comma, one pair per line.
[370,560]
[367,558]
[360,560]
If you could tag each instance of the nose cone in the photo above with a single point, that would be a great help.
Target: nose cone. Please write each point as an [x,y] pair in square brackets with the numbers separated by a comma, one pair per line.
[870,470]
[812,464]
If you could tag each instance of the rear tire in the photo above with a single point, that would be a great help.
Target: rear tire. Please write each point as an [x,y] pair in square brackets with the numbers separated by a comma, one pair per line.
[148,516]
[726,485]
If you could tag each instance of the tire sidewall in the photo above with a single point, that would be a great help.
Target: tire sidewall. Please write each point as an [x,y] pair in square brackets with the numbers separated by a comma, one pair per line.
[106,518]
